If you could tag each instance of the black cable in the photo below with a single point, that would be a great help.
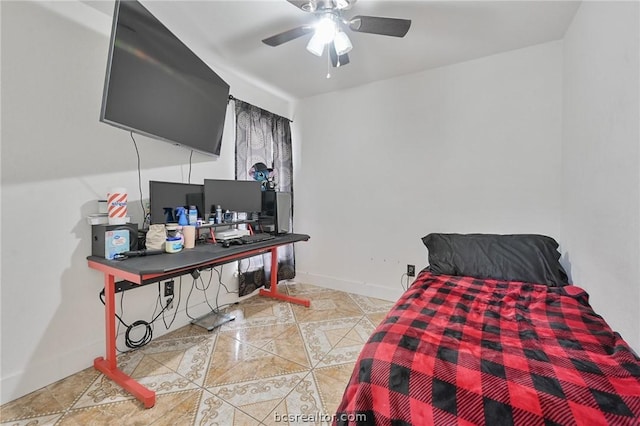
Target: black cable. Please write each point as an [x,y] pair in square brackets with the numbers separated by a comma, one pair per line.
[220,283]
[218,289]
[403,284]
[148,335]
[118,326]
[175,308]
[193,283]
[204,290]
[144,214]
[190,157]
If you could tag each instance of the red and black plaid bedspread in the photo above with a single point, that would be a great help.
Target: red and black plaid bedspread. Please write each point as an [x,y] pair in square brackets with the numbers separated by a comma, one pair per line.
[462,351]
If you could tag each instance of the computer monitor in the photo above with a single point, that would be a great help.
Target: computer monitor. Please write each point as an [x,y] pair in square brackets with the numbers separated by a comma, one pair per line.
[171,195]
[232,195]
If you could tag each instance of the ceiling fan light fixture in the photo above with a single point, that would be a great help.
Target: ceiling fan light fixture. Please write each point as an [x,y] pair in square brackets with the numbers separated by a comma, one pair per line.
[326,29]
[316,45]
[342,4]
[342,43]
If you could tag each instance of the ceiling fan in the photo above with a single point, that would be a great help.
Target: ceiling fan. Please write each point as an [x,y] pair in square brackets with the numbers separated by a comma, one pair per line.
[329,28]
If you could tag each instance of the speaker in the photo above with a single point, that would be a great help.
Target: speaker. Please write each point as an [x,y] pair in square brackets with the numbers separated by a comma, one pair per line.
[276,209]
[99,237]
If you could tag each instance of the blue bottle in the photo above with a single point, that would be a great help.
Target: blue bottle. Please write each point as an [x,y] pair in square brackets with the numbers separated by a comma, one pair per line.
[182,216]
[193,215]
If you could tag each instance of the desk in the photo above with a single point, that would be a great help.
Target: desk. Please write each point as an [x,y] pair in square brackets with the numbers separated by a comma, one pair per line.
[149,269]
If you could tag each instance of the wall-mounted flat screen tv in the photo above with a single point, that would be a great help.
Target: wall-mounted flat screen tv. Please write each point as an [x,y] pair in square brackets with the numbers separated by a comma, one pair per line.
[156,86]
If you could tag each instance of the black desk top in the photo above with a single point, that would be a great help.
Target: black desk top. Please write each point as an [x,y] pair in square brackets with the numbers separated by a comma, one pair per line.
[202,254]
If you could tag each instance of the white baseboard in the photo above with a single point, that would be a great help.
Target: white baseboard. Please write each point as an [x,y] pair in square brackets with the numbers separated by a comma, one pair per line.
[350,286]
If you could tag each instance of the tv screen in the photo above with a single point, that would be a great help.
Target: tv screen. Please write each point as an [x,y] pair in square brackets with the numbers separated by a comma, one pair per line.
[232,195]
[156,86]
[169,195]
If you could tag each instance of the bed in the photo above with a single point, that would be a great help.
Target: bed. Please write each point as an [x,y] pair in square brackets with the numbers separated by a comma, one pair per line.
[491,333]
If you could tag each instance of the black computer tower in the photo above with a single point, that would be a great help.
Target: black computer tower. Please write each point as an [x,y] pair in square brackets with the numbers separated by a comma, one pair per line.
[276,212]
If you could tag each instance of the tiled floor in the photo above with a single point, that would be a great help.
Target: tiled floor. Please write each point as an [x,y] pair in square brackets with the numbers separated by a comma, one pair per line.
[276,362]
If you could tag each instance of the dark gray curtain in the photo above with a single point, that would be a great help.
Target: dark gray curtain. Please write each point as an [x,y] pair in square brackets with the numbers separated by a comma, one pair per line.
[264,137]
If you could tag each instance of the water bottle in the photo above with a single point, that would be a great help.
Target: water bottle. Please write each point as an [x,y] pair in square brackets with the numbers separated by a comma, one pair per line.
[218,214]
[193,215]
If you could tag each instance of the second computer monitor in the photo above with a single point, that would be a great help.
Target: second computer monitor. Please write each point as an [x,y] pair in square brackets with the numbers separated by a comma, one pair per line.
[232,195]
[169,195]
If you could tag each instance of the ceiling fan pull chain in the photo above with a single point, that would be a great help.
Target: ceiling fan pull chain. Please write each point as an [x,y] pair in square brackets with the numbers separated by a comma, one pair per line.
[328,64]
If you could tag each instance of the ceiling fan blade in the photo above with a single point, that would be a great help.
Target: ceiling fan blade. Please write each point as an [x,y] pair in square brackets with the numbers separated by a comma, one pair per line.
[377,25]
[337,60]
[286,36]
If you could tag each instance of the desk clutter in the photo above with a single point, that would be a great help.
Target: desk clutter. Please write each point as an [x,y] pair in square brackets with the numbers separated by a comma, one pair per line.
[181,215]
[117,242]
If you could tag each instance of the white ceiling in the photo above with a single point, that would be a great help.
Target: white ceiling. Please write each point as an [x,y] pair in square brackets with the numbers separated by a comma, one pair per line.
[442,33]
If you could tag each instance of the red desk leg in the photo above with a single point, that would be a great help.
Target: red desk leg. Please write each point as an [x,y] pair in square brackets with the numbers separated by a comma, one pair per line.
[273,291]
[109,366]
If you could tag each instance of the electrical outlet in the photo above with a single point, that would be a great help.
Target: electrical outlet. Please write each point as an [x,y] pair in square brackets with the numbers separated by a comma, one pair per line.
[169,303]
[411,270]
[168,289]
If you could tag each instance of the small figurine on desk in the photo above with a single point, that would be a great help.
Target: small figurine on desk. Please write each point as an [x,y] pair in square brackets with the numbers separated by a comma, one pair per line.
[266,176]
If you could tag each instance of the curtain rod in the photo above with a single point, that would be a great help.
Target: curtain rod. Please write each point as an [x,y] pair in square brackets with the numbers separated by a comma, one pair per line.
[233,98]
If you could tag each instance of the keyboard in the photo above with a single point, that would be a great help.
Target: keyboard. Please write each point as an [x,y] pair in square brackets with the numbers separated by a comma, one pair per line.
[256,238]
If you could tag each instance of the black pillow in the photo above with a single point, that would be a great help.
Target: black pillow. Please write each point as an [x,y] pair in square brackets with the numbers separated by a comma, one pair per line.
[526,257]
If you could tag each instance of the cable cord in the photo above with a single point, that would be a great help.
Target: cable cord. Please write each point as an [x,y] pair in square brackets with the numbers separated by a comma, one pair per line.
[404,281]
[194,284]
[204,290]
[148,334]
[145,216]
[175,308]
[190,163]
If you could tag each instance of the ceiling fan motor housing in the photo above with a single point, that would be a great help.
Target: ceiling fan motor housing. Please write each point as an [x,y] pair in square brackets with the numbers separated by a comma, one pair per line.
[314,5]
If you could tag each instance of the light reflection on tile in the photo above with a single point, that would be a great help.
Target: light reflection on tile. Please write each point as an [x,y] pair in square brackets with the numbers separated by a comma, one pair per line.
[290,345]
[258,335]
[234,361]
[276,358]
[259,311]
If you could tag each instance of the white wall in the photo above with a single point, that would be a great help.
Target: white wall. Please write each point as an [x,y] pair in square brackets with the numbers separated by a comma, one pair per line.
[57,160]
[472,147]
[601,167]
